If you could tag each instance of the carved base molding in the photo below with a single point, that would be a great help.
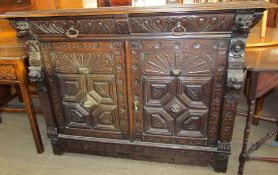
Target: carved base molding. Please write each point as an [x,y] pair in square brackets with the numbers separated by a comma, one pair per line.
[166,153]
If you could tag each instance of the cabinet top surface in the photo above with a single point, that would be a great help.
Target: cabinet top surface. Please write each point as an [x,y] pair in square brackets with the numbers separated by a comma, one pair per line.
[187,6]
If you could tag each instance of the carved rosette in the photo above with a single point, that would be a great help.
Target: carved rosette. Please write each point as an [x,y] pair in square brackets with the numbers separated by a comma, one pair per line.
[235,75]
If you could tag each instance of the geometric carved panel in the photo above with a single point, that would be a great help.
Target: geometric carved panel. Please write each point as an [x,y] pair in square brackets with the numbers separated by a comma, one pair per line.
[76,116]
[104,117]
[72,86]
[157,90]
[158,121]
[176,106]
[195,91]
[192,123]
[102,88]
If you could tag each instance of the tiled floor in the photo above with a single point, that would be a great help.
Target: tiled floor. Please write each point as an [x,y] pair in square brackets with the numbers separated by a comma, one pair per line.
[18,155]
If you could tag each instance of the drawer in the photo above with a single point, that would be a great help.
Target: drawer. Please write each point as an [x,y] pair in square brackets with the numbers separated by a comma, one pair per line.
[181,24]
[72,27]
[7,72]
[136,24]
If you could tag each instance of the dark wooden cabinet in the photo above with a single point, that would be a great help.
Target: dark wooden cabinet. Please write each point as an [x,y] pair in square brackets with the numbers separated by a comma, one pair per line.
[156,84]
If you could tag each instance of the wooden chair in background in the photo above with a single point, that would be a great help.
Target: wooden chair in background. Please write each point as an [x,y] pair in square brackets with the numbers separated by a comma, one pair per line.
[13,71]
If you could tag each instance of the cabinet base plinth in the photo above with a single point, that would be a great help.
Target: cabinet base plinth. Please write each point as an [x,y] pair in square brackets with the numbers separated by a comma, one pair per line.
[157,152]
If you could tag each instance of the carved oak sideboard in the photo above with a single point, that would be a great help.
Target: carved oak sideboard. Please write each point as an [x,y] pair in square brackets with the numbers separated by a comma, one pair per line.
[150,83]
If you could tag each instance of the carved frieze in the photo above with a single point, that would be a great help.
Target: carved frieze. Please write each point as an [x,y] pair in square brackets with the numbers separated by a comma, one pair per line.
[92,25]
[181,24]
[7,72]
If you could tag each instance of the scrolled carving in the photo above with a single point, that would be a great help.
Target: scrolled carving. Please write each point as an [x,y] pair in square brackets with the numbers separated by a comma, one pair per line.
[7,72]
[181,24]
[83,26]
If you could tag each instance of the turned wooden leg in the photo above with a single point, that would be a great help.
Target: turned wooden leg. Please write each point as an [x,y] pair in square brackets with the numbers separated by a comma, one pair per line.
[276,138]
[258,109]
[31,116]
[242,157]
[19,95]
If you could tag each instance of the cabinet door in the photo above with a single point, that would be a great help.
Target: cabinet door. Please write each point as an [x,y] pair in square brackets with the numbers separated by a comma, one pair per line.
[177,89]
[88,87]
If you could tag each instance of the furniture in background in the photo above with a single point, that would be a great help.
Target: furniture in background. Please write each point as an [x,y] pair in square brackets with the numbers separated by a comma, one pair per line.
[151,83]
[13,71]
[262,77]
[272,19]
[5,95]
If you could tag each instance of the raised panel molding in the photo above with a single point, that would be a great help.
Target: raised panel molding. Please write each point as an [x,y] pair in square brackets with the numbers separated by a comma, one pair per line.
[76,116]
[102,88]
[157,90]
[158,121]
[195,91]
[72,87]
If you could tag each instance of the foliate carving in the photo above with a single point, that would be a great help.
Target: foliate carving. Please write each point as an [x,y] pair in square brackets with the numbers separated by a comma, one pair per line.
[92,25]
[184,23]
[7,72]
[34,61]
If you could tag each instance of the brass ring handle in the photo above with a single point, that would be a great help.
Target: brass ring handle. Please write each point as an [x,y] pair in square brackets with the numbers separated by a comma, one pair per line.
[178,30]
[72,33]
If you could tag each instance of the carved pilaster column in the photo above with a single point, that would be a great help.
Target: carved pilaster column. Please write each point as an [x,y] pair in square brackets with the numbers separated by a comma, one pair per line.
[244,21]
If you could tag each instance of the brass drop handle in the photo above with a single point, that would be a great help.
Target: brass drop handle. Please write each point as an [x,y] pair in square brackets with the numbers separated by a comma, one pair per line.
[178,30]
[72,32]
[136,105]
[83,70]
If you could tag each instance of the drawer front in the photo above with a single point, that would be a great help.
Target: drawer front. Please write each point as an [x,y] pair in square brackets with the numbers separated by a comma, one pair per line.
[167,24]
[87,81]
[177,86]
[72,27]
[7,72]
[181,24]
